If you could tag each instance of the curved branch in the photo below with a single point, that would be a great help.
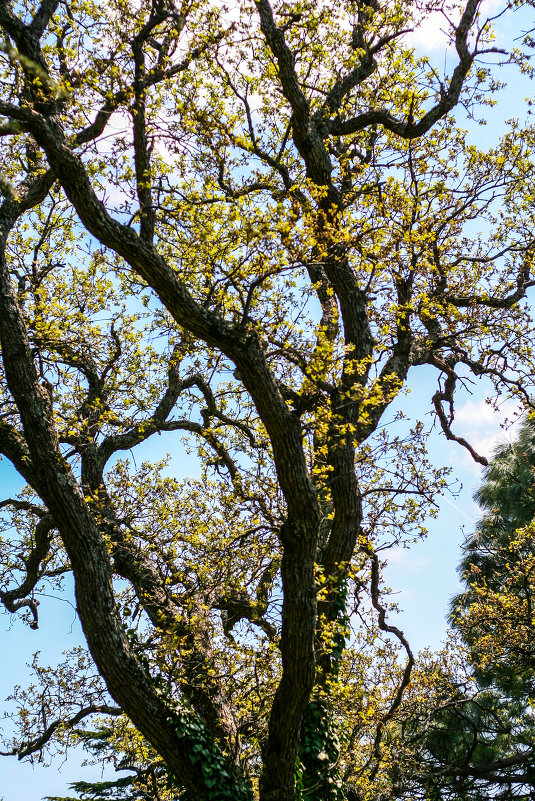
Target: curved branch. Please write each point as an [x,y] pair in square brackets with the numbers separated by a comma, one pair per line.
[388,628]
[445,420]
[39,742]
[17,598]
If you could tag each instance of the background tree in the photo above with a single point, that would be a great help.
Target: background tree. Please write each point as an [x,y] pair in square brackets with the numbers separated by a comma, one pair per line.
[246,224]
[494,613]
[142,775]
[466,730]
[456,739]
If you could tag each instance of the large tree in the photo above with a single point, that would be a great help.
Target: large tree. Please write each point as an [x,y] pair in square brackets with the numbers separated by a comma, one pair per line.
[246,223]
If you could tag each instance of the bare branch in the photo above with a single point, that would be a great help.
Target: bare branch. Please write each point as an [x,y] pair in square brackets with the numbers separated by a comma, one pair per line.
[17,598]
[446,394]
[38,743]
[388,628]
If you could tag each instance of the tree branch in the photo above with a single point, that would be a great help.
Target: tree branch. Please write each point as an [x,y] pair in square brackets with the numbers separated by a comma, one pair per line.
[38,743]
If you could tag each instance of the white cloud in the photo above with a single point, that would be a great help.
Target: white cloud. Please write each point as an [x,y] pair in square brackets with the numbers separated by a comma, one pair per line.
[434,32]
[402,560]
[478,414]
[484,428]
[431,35]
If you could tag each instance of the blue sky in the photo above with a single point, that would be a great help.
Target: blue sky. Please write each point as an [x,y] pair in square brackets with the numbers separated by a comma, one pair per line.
[423,577]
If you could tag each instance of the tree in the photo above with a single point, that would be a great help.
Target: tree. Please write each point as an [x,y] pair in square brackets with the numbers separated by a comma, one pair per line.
[456,739]
[494,613]
[470,728]
[492,707]
[247,224]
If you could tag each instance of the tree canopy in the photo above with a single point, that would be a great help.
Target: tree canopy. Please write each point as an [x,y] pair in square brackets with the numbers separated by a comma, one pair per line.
[247,223]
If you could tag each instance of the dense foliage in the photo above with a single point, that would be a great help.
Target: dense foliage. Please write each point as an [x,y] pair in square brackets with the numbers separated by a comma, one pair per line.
[247,223]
